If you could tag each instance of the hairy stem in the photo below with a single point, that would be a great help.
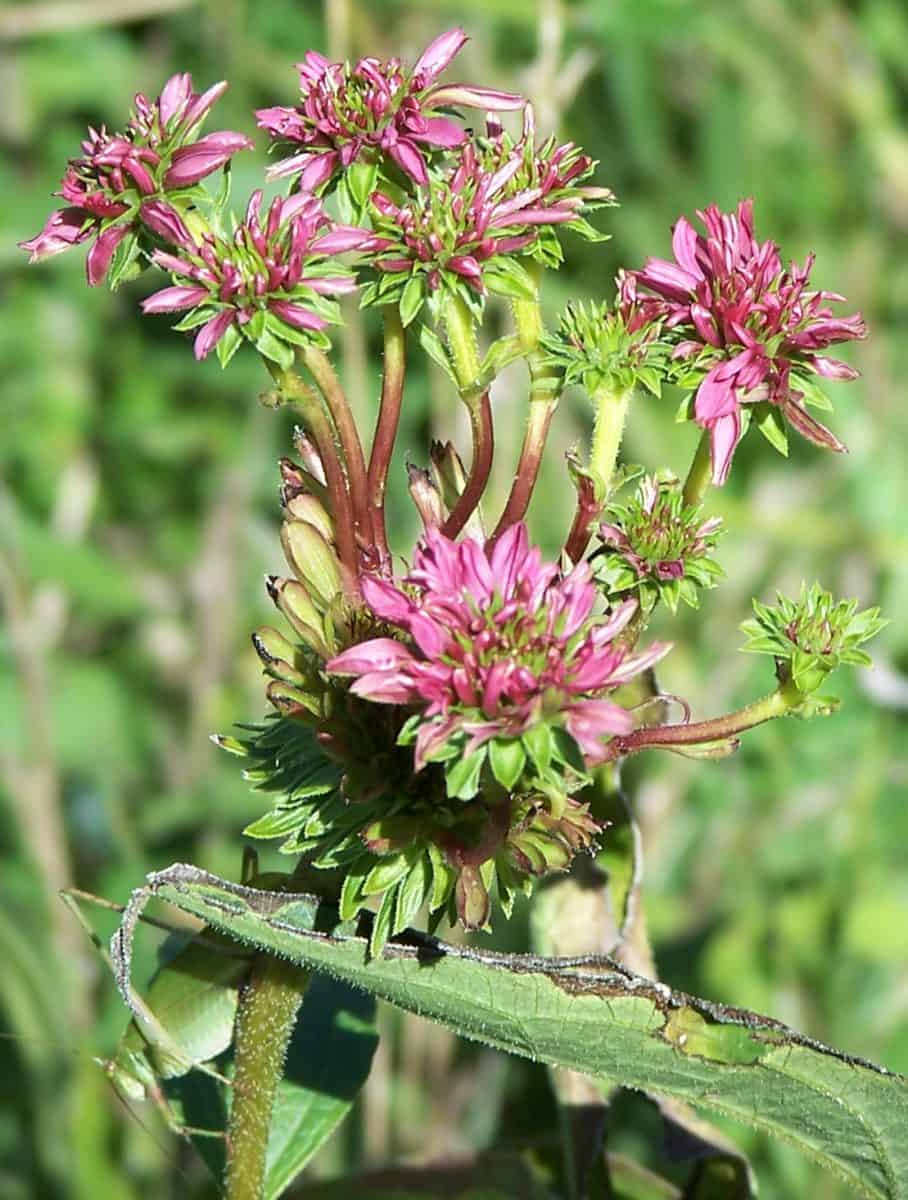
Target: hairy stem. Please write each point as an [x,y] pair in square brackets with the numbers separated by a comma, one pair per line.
[465,356]
[336,399]
[269,1004]
[776,704]
[544,396]
[293,390]
[608,430]
[392,388]
[700,474]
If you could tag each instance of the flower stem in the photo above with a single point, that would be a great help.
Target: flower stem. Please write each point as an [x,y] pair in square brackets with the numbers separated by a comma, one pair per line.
[483,449]
[465,355]
[608,430]
[776,704]
[295,390]
[544,395]
[268,1008]
[392,387]
[700,474]
[534,439]
[330,386]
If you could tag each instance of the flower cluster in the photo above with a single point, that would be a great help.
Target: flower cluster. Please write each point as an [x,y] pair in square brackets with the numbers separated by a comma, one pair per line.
[658,546]
[158,154]
[504,655]
[811,636]
[748,331]
[271,281]
[374,109]
[603,348]
[465,233]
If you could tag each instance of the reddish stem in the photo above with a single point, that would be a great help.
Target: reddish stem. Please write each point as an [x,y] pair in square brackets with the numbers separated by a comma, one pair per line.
[537,430]
[392,388]
[483,450]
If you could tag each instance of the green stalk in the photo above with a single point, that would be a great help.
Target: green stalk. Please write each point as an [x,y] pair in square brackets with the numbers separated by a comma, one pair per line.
[269,1004]
[699,476]
[461,335]
[543,402]
[392,387]
[695,733]
[608,430]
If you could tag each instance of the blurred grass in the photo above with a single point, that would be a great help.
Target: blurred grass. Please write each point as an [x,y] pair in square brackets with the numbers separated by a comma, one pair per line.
[138,514]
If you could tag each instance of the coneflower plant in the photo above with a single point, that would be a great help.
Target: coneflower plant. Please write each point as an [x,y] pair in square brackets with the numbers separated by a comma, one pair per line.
[443,714]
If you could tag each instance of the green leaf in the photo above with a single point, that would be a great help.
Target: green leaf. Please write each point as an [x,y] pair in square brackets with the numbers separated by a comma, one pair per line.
[844,1112]
[434,347]
[507,759]
[411,300]
[771,424]
[462,776]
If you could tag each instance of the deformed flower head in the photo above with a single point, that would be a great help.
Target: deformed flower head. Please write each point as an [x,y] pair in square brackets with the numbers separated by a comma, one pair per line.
[811,636]
[465,234]
[159,153]
[748,331]
[373,107]
[601,348]
[658,546]
[271,281]
[503,658]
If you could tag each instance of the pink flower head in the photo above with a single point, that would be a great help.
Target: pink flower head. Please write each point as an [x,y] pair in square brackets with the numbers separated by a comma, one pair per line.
[270,281]
[752,326]
[497,643]
[373,106]
[658,546]
[157,154]
[464,231]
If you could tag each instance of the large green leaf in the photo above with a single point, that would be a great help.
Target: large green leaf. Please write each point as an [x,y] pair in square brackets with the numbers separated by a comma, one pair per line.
[846,1113]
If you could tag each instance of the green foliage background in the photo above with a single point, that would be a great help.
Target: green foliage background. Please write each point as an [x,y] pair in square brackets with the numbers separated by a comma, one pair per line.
[138,514]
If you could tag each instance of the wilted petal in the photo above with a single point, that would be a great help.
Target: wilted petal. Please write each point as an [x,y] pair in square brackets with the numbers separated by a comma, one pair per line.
[64,228]
[808,427]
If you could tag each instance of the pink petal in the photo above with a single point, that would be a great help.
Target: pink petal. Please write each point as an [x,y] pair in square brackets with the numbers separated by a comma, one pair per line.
[341,239]
[410,161]
[174,96]
[507,557]
[439,131]
[200,107]
[438,54]
[190,164]
[475,97]
[833,368]
[101,253]
[174,299]
[164,220]
[63,228]
[386,601]
[724,435]
[212,332]
[385,688]
[378,654]
[296,315]
[635,663]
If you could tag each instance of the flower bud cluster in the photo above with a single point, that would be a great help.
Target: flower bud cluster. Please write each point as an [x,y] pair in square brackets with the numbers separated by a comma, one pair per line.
[811,636]
[658,547]
[601,348]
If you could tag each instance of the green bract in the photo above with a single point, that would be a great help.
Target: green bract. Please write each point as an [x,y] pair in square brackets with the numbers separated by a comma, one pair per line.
[812,636]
